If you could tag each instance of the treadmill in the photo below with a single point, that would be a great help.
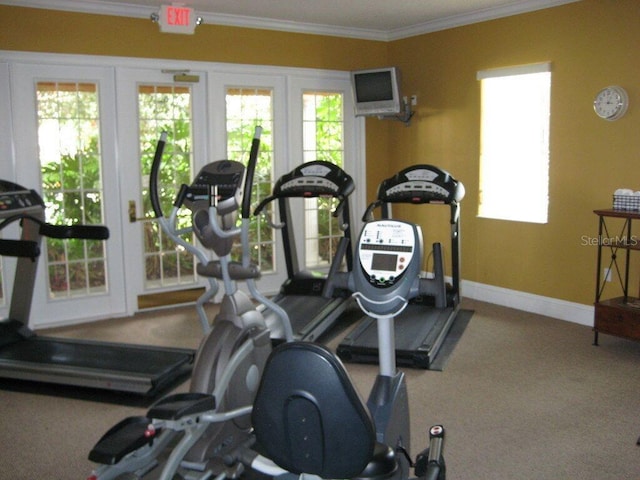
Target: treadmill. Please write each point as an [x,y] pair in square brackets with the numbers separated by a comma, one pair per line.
[311,299]
[422,327]
[137,369]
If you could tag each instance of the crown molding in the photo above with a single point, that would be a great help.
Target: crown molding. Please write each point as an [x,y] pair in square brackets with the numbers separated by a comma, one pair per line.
[293,27]
[478,16]
[138,11]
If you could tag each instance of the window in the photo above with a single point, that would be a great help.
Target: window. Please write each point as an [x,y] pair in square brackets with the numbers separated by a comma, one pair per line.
[165,108]
[247,108]
[70,160]
[514,150]
[323,139]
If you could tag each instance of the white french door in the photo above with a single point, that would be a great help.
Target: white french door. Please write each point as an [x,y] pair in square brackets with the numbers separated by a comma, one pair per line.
[7,264]
[149,102]
[64,137]
[84,138]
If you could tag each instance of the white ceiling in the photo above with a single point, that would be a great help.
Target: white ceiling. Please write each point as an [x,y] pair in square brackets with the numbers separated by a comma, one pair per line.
[372,19]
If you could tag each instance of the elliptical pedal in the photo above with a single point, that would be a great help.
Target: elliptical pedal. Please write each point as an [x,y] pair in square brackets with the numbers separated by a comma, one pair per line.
[181,405]
[123,438]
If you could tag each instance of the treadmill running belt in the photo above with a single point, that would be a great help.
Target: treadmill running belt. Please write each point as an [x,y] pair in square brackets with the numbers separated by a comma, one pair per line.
[311,316]
[419,332]
[114,357]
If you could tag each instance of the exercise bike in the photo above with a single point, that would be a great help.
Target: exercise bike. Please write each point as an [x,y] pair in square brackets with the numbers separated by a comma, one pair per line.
[308,418]
[230,358]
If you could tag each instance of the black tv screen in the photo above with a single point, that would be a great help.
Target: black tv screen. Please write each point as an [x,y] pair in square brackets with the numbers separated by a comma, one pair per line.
[376,91]
[374,86]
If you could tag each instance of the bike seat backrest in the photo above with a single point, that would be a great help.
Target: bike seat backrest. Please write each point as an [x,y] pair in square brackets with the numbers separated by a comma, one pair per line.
[308,416]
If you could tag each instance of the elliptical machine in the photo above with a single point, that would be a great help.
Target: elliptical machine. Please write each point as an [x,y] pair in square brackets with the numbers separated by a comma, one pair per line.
[307,417]
[230,358]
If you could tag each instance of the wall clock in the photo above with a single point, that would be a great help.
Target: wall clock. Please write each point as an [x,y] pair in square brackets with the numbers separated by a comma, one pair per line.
[611,103]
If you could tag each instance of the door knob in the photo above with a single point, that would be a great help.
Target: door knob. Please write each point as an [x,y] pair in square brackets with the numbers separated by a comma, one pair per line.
[132,212]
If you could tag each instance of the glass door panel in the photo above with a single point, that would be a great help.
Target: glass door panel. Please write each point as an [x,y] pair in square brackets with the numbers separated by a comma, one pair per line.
[70,168]
[165,108]
[247,108]
[323,139]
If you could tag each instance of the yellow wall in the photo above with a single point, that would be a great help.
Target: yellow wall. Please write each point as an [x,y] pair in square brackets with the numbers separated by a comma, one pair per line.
[591,43]
[65,32]
[38,30]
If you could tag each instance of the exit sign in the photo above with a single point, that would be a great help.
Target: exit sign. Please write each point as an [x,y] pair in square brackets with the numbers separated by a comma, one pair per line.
[177,19]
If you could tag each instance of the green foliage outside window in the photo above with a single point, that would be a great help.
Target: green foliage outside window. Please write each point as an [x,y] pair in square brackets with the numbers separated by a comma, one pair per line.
[72,184]
[166,109]
[70,159]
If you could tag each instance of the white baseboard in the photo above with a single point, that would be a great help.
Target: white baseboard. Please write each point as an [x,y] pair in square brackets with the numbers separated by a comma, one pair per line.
[528,302]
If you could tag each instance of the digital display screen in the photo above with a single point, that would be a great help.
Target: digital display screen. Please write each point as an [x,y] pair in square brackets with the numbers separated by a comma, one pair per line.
[384,261]
[374,87]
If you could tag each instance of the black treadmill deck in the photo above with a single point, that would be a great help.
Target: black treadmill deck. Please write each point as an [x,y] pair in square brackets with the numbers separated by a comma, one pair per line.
[419,333]
[128,368]
[311,316]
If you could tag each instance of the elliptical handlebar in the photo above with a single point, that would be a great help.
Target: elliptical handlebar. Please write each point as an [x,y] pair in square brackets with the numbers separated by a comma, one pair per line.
[154,174]
[251,169]
[245,207]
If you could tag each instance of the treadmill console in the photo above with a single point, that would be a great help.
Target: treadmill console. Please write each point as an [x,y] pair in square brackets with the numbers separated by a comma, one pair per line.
[13,197]
[389,253]
[314,179]
[421,184]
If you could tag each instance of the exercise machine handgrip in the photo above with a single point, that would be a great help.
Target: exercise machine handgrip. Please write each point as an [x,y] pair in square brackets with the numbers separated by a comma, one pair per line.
[83,232]
[19,248]
[155,171]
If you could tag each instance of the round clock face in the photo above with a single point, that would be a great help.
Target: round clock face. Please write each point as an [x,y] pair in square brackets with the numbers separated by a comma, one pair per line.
[611,103]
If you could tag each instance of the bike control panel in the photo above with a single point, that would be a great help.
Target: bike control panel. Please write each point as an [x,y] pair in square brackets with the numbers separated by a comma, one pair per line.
[386,249]
[389,254]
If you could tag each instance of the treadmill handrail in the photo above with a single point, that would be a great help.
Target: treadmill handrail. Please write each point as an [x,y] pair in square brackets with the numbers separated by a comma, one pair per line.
[19,248]
[77,231]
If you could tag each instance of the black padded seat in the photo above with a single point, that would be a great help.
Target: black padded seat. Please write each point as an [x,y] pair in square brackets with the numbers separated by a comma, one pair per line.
[308,417]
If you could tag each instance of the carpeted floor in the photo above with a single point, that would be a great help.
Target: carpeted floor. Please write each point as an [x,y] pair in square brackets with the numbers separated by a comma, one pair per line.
[521,396]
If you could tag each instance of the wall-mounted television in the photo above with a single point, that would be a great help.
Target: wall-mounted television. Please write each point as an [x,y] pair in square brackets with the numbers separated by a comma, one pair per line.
[377,91]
